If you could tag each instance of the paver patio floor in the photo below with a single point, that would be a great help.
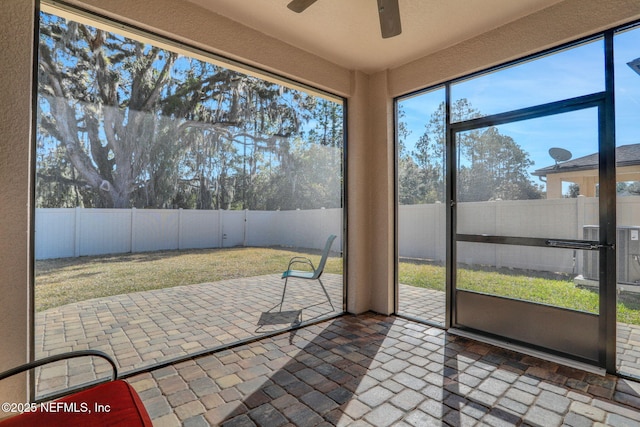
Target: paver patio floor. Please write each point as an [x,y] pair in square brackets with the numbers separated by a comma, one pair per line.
[429,305]
[146,328]
[373,370]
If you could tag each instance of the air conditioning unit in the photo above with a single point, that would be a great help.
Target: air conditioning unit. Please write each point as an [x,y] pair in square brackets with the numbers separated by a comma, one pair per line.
[627,250]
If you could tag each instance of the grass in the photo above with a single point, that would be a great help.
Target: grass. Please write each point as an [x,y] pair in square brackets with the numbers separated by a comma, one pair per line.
[552,289]
[67,280]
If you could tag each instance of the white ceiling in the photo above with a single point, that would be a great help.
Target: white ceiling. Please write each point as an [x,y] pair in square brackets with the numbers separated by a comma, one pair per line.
[347,32]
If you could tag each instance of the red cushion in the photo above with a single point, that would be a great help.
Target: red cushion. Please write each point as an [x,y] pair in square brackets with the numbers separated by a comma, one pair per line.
[115,403]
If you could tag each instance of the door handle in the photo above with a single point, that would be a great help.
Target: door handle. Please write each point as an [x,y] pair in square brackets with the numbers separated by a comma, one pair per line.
[605,246]
[565,244]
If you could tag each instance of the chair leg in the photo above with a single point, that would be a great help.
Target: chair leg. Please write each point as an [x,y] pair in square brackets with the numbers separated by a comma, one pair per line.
[283,291]
[327,294]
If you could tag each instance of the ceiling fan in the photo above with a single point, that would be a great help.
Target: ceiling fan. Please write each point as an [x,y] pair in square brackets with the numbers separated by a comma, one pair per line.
[388,11]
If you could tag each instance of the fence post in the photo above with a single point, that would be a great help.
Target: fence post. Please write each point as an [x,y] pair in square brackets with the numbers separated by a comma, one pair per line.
[439,231]
[133,230]
[179,228]
[76,237]
[244,231]
[220,228]
[497,249]
[580,213]
[323,226]
[299,239]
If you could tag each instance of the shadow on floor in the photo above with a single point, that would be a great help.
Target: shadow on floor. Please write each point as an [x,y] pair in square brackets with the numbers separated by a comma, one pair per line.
[382,371]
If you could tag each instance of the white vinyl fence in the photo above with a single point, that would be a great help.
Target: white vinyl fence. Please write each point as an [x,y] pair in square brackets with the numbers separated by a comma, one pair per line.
[61,233]
[421,230]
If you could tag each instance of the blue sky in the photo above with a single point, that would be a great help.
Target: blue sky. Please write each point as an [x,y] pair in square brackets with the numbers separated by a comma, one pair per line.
[568,74]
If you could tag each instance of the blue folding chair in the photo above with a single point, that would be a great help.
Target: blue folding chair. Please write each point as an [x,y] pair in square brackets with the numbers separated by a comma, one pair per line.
[314,274]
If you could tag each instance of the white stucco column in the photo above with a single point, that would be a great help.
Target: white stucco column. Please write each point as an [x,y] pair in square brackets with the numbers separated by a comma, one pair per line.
[554,187]
[370,195]
[382,183]
[358,196]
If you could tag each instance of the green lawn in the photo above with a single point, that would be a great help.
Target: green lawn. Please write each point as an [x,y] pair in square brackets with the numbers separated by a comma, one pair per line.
[68,280]
[557,291]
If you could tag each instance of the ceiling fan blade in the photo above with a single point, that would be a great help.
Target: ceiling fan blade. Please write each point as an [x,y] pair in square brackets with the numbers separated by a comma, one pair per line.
[389,12]
[300,5]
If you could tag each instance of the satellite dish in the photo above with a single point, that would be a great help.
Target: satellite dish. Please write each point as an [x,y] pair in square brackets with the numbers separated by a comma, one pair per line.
[560,154]
[635,65]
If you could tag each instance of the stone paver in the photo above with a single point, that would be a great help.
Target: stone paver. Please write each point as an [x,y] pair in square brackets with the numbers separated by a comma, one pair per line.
[421,303]
[145,328]
[365,370]
[293,391]
[429,305]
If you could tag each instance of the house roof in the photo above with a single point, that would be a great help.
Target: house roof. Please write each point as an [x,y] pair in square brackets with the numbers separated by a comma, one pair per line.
[626,155]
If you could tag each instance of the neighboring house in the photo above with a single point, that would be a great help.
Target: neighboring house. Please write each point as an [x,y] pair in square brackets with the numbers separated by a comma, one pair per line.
[583,171]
